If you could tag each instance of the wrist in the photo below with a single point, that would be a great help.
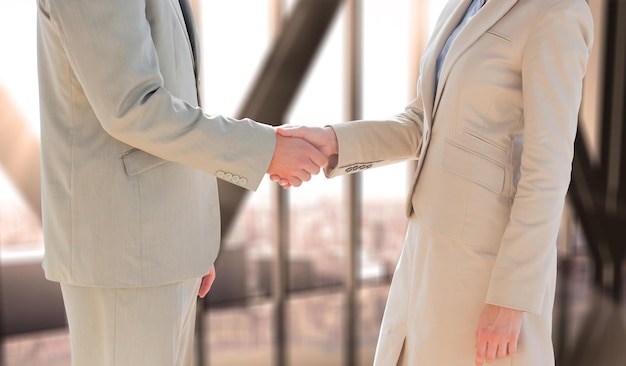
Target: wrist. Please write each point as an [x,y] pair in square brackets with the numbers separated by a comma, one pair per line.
[332,138]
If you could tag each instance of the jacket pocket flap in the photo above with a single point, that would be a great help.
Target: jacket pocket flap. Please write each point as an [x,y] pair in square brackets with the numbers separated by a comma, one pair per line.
[138,161]
[473,166]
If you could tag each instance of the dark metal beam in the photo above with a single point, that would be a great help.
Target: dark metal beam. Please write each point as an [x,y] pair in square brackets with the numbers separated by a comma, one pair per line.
[614,112]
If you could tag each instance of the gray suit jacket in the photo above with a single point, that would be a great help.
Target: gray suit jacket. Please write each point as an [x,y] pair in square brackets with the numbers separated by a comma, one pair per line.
[129,161]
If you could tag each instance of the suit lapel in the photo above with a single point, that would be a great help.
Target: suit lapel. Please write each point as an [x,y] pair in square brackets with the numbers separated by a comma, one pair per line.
[185,16]
[451,16]
[188,20]
[488,16]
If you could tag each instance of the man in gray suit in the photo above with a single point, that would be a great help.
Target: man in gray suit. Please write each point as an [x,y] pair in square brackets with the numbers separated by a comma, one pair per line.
[129,166]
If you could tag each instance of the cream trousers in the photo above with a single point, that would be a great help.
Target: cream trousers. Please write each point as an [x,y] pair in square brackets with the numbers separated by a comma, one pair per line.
[132,326]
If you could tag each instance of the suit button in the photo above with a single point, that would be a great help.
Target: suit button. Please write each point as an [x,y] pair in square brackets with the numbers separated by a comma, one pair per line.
[221,174]
[243,181]
[228,176]
[235,179]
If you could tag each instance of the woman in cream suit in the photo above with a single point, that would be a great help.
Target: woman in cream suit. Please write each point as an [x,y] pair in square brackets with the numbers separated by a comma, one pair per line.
[129,166]
[492,129]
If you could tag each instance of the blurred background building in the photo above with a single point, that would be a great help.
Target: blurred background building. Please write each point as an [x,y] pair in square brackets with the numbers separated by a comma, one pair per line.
[303,274]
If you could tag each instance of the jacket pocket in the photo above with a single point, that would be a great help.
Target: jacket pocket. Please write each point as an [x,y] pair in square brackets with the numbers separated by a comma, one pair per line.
[474,166]
[138,161]
[499,36]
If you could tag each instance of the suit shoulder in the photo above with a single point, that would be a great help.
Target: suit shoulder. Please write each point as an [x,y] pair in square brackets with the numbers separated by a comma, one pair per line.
[554,6]
[550,13]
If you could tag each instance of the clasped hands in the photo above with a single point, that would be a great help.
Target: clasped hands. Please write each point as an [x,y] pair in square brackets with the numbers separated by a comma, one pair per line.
[300,153]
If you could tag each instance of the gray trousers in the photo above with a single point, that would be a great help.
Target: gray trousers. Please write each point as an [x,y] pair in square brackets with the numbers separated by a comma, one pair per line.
[132,326]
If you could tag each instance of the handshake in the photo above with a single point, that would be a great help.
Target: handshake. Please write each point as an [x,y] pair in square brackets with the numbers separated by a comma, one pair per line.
[300,153]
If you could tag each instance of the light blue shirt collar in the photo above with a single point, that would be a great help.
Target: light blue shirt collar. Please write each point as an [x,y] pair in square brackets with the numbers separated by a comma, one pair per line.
[469,13]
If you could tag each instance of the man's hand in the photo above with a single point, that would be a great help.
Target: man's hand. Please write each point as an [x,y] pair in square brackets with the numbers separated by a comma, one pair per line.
[295,160]
[497,333]
[324,139]
[207,282]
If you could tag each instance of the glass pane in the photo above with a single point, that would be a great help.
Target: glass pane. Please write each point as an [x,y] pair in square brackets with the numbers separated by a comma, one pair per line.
[34,349]
[246,260]
[315,330]
[371,305]
[383,223]
[20,228]
[317,246]
[240,335]
[386,86]
[235,40]
[232,56]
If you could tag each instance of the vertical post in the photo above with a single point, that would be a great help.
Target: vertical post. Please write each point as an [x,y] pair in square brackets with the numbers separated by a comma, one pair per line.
[281,259]
[615,94]
[200,342]
[353,182]
[613,137]
[279,283]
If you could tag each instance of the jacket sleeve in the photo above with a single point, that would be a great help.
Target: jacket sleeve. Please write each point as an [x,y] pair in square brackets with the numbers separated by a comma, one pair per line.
[366,144]
[553,68]
[112,54]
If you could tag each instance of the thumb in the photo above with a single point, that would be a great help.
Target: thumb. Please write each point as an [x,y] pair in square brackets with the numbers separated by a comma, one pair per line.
[291,131]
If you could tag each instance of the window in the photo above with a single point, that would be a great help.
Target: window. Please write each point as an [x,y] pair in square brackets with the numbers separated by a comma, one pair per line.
[20,228]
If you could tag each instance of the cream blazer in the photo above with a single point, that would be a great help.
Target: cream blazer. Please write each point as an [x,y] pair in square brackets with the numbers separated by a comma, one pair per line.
[494,141]
[129,161]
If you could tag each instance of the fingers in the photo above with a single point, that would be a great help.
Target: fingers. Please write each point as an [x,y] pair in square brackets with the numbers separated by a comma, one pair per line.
[319,160]
[492,351]
[299,178]
[204,289]
[497,333]
[513,345]
[274,178]
[207,282]
[489,350]
[304,174]
[481,349]
[295,160]
[291,182]
[501,352]
[281,181]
